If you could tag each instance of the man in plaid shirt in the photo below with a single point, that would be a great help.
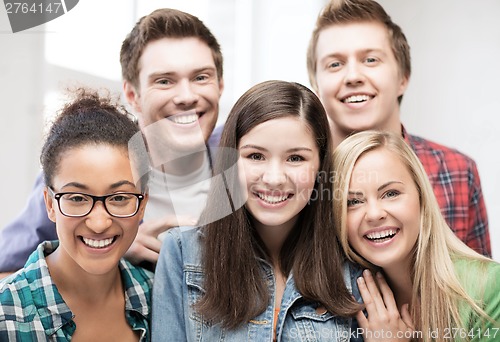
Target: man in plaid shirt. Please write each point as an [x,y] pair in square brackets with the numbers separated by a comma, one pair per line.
[359,64]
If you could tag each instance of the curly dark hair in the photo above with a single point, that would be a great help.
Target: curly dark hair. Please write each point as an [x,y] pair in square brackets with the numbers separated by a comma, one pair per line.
[91,118]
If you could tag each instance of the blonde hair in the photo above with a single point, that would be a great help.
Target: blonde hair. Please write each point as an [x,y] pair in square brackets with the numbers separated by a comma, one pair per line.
[436,284]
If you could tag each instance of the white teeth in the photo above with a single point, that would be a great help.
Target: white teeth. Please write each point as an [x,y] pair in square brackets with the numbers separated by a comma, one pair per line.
[97,243]
[381,235]
[184,119]
[357,98]
[272,199]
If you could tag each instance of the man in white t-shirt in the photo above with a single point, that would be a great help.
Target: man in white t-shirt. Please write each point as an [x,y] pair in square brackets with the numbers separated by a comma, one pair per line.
[172,78]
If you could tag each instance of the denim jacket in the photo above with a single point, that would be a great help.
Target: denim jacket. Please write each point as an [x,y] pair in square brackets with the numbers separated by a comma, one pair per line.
[178,284]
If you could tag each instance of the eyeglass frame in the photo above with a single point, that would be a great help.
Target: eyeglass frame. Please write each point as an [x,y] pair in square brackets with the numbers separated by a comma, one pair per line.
[57,196]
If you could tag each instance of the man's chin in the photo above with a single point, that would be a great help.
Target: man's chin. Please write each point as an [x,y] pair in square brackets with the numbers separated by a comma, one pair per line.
[172,148]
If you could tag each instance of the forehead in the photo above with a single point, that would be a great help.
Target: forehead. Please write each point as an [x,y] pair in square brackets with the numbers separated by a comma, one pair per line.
[352,38]
[285,130]
[85,161]
[379,166]
[169,55]
[94,154]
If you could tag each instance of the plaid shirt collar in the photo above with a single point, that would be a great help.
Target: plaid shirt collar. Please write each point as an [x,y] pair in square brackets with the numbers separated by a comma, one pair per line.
[53,311]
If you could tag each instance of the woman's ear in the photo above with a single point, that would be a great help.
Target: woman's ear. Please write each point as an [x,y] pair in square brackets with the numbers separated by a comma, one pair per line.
[49,205]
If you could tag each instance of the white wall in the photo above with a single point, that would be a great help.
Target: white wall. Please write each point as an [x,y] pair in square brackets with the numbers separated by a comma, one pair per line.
[21,100]
[452,97]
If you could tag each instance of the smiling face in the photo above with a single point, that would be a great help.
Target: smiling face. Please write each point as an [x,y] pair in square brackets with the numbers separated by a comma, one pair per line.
[278,163]
[96,242]
[178,82]
[358,78]
[383,210]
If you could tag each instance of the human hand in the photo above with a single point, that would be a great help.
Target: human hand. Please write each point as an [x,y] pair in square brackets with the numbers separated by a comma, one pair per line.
[384,322]
[146,246]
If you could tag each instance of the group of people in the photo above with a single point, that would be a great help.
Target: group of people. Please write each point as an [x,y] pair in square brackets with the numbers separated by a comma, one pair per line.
[309,216]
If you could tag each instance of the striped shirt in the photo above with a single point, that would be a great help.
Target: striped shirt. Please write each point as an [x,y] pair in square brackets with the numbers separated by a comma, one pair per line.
[32,309]
[457,187]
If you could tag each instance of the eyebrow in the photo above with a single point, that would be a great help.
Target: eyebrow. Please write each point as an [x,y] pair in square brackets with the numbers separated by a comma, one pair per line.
[84,187]
[155,75]
[76,185]
[295,149]
[363,52]
[383,186]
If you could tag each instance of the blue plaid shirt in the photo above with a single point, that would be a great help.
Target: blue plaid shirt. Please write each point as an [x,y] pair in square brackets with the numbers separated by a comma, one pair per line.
[32,309]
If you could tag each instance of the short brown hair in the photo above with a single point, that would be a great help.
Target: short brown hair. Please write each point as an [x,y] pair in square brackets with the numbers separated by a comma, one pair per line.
[338,12]
[164,23]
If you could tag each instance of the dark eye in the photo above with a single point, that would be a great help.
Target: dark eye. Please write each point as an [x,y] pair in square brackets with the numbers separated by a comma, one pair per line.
[295,158]
[76,198]
[371,60]
[201,77]
[334,65]
[120,198]
[353,201]
[163,82]
[391,194]
[256,156]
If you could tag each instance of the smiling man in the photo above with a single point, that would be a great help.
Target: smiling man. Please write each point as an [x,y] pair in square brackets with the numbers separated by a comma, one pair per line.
[359,64]
[172,77]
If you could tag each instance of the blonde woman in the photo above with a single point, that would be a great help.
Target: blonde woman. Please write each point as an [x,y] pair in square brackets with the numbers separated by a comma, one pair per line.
[389,222]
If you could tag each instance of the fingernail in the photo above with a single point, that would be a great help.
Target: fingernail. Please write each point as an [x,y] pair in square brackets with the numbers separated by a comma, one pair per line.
[379,275]
[360,280]
[366,273]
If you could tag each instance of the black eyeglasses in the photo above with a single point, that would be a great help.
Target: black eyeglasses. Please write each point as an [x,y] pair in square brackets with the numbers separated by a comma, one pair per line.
[76,204]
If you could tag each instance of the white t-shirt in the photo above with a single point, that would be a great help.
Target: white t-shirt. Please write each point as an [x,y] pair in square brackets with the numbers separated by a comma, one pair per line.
[182,196]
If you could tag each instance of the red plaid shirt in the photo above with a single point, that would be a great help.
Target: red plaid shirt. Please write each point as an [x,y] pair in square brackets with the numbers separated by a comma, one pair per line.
[457,187]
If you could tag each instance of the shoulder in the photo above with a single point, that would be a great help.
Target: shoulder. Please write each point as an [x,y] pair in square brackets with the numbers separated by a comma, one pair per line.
[134,274]
[423,147]
[16,300]
[352,272]
[481,281]
[183,237]
[12,286]
[33,276]
[443,163]
[480,278]
[35,267]
[214,139]
[138,283]
[182,245]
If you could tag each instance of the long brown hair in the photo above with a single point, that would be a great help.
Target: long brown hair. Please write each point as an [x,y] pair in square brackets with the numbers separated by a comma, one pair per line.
[236,290]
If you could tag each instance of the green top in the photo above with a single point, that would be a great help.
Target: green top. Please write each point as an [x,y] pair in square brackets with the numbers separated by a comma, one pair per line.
[481,280]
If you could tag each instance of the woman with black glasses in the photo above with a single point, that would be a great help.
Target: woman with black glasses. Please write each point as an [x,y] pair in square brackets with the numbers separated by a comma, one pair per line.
[80,287]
